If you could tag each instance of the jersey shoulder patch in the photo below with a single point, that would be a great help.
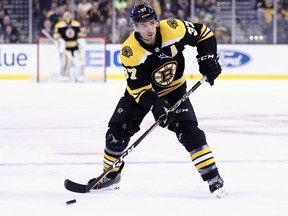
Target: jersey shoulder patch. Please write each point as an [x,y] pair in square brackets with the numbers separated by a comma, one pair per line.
[132,53]
[172,30]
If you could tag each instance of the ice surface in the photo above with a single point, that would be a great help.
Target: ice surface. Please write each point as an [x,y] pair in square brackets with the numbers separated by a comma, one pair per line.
[49,132]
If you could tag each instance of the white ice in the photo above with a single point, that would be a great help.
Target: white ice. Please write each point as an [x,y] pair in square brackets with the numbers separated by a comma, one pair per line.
[53,131]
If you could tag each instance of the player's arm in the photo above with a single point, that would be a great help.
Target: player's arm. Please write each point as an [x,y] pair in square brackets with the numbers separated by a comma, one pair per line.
[82,32]
[57,36]
[139,86]
[203,38]
[81,39]
[137,72]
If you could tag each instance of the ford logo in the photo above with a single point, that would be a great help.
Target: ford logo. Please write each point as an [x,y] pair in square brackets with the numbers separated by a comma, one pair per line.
[231,58]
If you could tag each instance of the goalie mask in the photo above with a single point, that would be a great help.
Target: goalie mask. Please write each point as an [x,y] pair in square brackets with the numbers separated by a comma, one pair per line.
[67,17]
[142,13]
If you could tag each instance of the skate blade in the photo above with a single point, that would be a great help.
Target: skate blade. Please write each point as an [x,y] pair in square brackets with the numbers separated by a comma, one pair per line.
[220,193]
[109,188]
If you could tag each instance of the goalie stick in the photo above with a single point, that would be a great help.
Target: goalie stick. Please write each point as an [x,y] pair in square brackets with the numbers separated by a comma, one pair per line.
[68,54]
[85,188]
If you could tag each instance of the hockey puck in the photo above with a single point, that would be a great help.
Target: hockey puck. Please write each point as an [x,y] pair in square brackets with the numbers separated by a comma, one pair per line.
[71,202]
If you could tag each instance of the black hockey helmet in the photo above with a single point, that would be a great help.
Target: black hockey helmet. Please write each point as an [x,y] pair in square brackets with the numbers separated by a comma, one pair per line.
[143,13]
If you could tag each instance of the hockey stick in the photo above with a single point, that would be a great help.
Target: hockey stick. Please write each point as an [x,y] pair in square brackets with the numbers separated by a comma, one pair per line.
[85,188]
[68,54]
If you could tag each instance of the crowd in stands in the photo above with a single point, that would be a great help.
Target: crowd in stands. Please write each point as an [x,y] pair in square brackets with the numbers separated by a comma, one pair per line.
[265,10]
[96,17]
[8,32]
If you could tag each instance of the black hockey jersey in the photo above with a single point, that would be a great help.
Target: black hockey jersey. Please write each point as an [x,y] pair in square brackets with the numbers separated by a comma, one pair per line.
[69,32]
[160,69]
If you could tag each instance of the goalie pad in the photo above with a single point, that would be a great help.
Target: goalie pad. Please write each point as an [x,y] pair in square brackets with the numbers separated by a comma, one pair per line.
[81,43]
[61,45]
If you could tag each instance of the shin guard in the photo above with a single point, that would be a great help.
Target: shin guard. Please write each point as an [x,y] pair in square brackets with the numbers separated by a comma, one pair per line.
[116,143]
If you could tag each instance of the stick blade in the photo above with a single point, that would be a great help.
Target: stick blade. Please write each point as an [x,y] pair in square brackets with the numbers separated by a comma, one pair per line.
[75,187]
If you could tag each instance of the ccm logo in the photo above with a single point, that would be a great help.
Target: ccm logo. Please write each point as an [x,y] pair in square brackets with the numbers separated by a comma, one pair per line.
[202,58]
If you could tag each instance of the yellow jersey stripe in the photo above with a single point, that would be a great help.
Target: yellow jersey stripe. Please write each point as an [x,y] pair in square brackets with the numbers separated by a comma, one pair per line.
[137,93]
[205,163]
[109,158]
[107,166]
[199,153]
[205,33]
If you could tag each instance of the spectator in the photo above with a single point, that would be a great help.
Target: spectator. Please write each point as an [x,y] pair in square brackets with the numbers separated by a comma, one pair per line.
[222,35]
[11,31]
[282,27]
[45,5]
[181,14]
[130,5]
[69,5]
[168,9]
[6,20]
[157,6]
[37,13]
[120,4]
[282,7]
[84,6]
[2,14]
[95,14]
[1,35]
[168,14]
[212,7]
[10,34]
[123,30]
[107,30]
[185,6]
[47,25]
[61,9]
[95,30]
[106,8]
[85,25]
[51,14]
[265,11]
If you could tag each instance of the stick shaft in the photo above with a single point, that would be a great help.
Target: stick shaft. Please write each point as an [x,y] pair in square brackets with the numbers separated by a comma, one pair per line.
[56,43]
[136,143]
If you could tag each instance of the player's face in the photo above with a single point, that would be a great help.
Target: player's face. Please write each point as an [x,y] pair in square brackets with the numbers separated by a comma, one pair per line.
[147,30]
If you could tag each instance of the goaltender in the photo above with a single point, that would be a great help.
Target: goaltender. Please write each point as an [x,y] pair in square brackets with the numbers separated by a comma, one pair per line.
[69,34]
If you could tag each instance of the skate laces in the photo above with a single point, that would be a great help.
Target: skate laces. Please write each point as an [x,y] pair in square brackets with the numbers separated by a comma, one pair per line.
[105,180]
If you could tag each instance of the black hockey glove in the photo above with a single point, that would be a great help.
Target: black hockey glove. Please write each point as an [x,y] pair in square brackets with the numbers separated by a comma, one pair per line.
[209,66]
[159,110]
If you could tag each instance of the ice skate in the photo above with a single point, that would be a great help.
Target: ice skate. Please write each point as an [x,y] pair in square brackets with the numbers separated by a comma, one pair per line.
[80,79]
[65,78]
[108,183]
[216,187]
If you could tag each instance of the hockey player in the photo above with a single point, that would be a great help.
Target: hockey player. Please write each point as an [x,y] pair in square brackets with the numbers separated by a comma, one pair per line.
[154,65]
[69,34]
